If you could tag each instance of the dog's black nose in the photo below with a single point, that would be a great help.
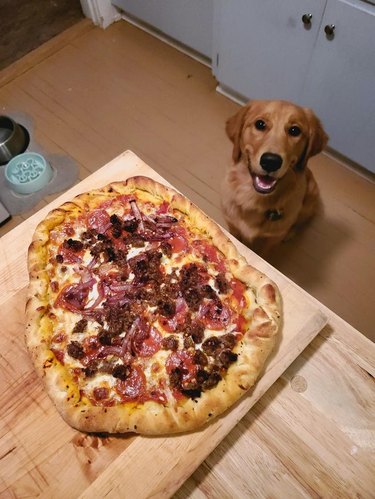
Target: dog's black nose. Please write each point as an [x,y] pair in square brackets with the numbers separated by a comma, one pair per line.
[270,161]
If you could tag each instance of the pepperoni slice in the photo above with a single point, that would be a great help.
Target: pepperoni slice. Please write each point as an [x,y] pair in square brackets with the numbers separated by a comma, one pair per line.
[215,315]
[238,290]
[163,208]
[150,345]
[210,253]
[101,393]
[59,354]
[178,319]
[240,323]
[178,243]
[69,256]
[182,360]
[99,220]
[133,388]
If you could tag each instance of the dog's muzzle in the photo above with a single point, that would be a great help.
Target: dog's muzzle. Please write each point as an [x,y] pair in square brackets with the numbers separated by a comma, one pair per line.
[265,184]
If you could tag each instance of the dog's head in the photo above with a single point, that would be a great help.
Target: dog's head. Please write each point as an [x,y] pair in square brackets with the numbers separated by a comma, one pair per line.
[274,138]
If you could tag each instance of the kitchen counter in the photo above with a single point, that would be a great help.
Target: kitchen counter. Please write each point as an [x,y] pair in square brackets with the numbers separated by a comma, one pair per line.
[310,430]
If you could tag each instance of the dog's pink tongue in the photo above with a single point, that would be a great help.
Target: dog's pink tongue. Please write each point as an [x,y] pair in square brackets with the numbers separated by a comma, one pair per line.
[264,182]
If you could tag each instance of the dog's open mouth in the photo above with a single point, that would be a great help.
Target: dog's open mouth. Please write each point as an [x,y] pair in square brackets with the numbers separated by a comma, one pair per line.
[264,183]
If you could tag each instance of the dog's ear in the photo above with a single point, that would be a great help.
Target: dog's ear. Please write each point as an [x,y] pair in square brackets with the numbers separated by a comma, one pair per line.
[233,128]
[317,136]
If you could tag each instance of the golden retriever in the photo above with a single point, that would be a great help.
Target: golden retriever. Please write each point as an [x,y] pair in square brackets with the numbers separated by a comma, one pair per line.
[268,191]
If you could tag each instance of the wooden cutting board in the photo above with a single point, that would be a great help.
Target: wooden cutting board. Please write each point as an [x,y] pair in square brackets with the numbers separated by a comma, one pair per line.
[40,455]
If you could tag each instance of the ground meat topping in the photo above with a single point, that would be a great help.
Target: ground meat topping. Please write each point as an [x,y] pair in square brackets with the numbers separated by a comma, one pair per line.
[131,225]
[167,308]
[170,343]
[200,358]
[73,245]
[104,337]
[121,371]
[228,340]
[80,326]
[91,368]
[222,283]
[226,358]
[212,380]
[211,345]
[75,350]
[197,332]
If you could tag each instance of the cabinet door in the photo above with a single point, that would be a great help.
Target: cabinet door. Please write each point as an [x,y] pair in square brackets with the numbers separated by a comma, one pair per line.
[188,21]
[263,47]
[341,83]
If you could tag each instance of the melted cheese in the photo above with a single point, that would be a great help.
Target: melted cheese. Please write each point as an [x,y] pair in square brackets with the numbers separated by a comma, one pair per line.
[68,320]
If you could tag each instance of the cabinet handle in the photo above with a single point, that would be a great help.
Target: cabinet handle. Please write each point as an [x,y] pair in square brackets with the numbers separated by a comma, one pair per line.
[329,30]
[306,19]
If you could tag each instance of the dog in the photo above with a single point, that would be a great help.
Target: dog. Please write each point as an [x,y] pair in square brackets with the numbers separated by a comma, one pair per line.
[268,191]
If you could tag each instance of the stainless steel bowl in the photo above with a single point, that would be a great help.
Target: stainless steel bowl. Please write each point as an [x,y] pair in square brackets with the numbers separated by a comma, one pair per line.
[14,139]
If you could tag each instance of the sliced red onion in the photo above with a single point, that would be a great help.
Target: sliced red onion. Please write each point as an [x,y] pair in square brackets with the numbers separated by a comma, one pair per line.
[127,343]
[137,214]
[98,299]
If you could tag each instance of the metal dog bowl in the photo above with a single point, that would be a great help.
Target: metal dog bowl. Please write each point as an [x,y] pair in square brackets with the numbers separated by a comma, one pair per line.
[27,173]
[14,139]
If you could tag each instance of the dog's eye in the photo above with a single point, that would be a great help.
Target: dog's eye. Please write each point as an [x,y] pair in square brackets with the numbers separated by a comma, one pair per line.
[260,125]
[294,131]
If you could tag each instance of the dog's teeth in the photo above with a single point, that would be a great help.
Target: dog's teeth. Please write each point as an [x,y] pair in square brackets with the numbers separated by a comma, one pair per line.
[264,182]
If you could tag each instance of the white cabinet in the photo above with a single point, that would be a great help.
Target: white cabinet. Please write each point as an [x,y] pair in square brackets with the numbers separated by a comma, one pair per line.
[187,21]
[340,85]
[264,50]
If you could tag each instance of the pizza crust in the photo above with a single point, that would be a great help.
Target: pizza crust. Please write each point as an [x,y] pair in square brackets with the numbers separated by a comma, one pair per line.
[150,417]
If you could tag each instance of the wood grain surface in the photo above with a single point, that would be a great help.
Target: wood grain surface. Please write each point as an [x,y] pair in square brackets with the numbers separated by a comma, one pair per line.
[41,456]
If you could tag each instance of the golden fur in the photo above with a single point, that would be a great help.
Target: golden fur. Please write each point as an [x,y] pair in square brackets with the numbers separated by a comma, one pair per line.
[262,208]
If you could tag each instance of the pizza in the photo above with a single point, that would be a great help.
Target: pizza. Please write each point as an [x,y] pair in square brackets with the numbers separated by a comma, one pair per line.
[142,316]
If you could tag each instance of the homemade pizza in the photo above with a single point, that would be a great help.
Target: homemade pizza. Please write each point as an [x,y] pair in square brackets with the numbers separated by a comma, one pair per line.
[141,315]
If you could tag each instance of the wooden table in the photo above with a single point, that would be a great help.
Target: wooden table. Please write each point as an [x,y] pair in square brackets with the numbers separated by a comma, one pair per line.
[311,432]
